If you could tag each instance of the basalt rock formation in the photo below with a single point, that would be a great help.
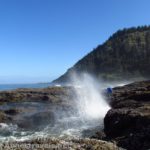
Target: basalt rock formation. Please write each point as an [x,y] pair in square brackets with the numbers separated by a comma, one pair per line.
[128,122]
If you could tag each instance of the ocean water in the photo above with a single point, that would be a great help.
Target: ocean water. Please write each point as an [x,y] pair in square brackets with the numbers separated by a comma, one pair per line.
[16,86]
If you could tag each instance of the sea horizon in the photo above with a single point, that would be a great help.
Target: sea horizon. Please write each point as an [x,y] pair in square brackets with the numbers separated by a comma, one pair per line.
[13,86]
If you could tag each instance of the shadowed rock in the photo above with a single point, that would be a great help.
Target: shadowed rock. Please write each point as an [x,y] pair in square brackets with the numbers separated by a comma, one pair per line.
[37,121]
[4,118]
[128,122]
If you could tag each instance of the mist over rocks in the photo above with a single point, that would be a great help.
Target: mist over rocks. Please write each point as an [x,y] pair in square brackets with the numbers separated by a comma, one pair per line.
[56,111]
[34,109]
[37,121]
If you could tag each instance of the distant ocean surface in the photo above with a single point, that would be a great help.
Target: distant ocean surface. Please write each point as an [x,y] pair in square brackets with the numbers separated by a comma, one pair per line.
[16,86]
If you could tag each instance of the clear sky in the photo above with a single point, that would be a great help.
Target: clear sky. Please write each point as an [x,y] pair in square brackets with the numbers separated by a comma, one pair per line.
[41,39]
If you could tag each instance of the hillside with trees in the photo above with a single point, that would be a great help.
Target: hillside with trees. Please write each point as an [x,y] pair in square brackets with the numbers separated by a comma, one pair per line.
[125,55]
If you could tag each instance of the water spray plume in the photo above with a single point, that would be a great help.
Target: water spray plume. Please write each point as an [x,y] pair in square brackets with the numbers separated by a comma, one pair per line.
[90,101]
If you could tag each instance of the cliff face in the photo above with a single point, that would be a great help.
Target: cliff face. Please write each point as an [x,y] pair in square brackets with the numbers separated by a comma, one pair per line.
[125,55]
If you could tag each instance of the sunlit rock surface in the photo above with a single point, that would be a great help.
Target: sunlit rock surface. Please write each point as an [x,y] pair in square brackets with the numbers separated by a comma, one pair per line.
[51,94]
[60,144]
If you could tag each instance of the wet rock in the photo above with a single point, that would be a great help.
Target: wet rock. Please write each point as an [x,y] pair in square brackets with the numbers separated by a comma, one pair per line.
[99,135]
[52,94]
[13,101]
[128,122]
[12,111]
[93,132]
[37,121]
[4,118]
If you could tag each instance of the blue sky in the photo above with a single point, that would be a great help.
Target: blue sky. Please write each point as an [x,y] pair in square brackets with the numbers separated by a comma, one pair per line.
[41,39]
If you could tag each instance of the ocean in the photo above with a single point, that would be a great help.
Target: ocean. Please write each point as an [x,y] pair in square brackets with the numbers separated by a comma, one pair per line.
[16,86]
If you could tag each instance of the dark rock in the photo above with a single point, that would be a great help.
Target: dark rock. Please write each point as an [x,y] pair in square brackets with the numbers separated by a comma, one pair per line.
[94,132]
[99,135]
[128,122]
[4,118]
[37,121]
[12,111]
[137,140]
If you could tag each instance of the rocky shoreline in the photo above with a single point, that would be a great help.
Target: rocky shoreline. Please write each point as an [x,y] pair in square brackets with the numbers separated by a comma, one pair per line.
[61,144]
[127,123]
[15,105]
